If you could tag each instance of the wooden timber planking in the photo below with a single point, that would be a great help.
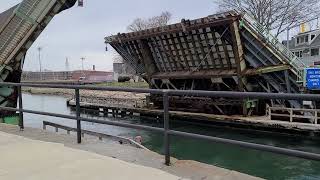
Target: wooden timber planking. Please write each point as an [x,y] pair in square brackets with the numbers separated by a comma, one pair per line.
[195,74]
[182,49]
[192,59]
[147,58]
[176,53]
[175,28]
[168,44]
[216,47]
[203,53]
[209,46]
[157,54]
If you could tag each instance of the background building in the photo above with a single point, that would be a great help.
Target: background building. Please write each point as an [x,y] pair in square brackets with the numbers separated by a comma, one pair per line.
[306,46]
[123,70]
[89,76]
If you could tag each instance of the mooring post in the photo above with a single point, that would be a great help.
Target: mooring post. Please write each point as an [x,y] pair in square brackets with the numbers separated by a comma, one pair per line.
[21,122]
[166,128]
[77,93]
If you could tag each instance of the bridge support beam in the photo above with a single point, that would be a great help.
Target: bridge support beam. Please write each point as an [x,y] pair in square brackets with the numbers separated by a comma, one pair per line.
[240,61]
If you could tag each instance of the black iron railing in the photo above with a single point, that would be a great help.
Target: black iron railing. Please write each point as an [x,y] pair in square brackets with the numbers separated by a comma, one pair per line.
[166,129]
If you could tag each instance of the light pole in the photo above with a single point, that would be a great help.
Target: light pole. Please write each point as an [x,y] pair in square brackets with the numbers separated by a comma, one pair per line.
[82,61]
[40,66]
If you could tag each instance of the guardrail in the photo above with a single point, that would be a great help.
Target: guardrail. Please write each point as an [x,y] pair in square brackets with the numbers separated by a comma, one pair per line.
[167,132]
[294,113]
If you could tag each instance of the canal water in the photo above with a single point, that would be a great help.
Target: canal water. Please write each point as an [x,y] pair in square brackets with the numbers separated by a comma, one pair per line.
[256,163]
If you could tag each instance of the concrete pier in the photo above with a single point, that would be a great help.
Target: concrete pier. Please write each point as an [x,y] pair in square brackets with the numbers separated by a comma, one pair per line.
[39,154]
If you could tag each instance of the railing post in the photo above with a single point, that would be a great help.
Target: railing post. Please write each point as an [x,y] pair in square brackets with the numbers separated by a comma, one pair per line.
[77,98]
[166,128]
[270,113]
[21,122]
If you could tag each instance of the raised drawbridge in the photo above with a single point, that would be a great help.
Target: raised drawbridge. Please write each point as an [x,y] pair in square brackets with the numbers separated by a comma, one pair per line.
[222,52]
[19,28]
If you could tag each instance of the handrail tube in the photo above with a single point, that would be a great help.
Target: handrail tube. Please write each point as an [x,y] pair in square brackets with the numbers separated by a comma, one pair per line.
[124,125]
[227,94]
[39,113]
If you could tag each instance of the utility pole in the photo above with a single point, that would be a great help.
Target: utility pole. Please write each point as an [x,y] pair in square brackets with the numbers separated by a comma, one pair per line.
[67,65]
[40,66]
[82,59]
[67,68]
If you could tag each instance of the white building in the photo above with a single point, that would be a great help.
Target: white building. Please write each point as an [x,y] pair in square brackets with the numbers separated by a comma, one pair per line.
[306,46]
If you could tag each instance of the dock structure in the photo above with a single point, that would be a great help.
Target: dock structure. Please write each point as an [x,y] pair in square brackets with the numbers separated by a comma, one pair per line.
[229,51]
[20,26]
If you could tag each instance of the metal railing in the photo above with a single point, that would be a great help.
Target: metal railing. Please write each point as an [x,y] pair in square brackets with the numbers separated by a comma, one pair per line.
[294,113]
[297,64]
[167,132]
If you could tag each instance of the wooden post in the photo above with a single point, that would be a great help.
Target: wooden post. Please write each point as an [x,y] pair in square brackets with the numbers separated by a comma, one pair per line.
[269,109]
[106,112]
[113,113]
[315,116]
[240,61]
[291,115]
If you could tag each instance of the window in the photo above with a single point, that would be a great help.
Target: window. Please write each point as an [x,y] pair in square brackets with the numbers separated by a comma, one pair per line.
[315,52]
[302,39]
[313,36]
[298,53]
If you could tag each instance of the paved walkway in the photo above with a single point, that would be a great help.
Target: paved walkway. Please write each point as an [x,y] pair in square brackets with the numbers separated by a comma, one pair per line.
[107,148]
[27,159]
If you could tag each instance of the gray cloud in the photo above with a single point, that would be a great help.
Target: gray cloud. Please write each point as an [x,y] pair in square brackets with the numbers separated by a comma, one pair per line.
[80,32]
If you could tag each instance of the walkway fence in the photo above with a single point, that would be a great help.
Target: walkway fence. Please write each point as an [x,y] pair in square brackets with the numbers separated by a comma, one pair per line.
[167,132]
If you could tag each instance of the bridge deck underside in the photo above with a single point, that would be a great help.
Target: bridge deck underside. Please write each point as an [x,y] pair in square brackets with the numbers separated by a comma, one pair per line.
[216,53]
[20,26]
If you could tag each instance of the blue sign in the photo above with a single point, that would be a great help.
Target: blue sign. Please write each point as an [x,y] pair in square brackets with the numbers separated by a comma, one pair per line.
[313,78]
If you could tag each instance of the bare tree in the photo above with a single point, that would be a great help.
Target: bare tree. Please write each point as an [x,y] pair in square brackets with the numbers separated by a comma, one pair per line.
[275,15]
[156,21]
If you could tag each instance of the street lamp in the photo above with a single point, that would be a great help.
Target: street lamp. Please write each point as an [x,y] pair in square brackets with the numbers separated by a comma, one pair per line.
[40,66]
[82,60]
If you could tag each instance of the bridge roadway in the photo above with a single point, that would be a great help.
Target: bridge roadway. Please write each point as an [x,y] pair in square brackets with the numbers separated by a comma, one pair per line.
[36,154]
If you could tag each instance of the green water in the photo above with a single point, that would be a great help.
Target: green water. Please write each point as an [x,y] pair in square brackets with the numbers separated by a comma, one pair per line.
[256,163]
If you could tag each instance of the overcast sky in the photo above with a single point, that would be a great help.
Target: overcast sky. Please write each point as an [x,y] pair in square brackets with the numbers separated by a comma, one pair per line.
[79,32]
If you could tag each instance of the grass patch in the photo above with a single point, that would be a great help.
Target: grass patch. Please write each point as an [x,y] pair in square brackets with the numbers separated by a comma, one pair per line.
[126,84]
